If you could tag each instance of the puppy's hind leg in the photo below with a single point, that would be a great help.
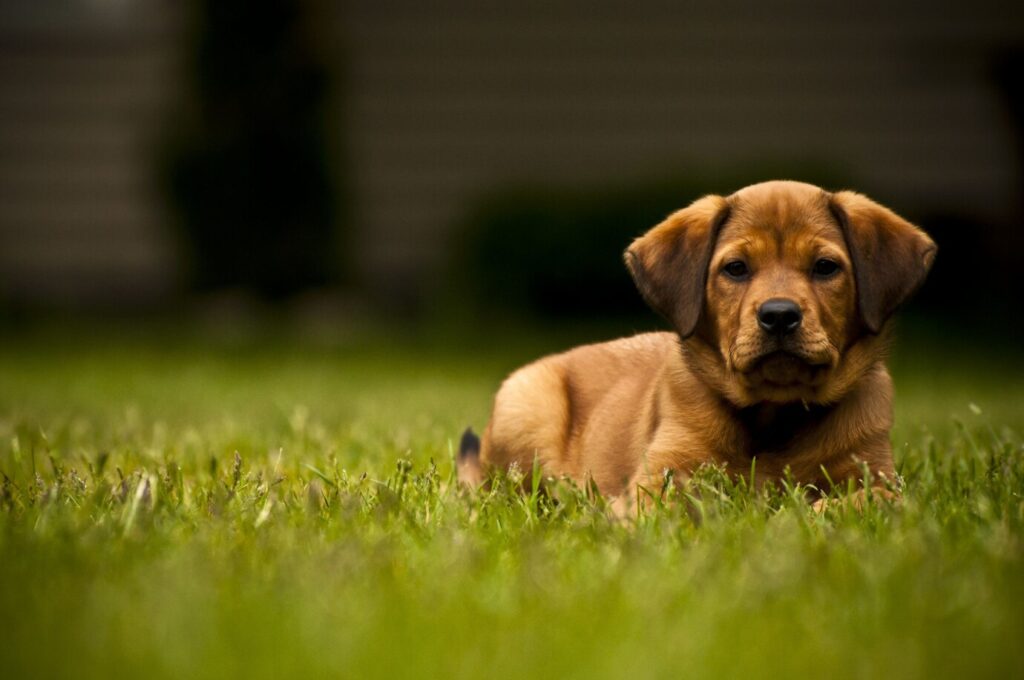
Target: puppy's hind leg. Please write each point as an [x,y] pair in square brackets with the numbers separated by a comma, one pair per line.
[471,473]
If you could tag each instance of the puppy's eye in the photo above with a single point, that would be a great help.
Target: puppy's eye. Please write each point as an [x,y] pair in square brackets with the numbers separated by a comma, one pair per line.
[825,268]
[737,269]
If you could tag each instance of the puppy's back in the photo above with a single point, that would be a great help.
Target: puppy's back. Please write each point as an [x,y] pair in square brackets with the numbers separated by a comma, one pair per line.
[542,409]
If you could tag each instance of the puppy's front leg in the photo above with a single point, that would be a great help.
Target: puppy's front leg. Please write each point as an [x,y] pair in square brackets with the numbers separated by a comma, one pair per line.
[875,485]
[871,469]
[646,490]
[859,499]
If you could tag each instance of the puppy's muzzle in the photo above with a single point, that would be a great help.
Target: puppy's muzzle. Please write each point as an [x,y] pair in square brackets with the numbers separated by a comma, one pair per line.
[779,316]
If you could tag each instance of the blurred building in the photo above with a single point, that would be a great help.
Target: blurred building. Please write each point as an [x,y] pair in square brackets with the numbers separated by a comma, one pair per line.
[448,101]
[82,88]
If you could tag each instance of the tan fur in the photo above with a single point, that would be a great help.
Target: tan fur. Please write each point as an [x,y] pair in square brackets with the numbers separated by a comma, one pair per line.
[719,389]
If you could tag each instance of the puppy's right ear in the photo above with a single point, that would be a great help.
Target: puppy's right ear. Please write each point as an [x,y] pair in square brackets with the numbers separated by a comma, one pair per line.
[669,263]
[891,257]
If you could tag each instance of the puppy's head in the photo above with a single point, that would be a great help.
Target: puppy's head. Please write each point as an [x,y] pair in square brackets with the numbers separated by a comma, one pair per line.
[783,287]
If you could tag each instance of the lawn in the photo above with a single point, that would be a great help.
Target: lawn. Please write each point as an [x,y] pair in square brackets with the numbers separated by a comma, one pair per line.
[179,504]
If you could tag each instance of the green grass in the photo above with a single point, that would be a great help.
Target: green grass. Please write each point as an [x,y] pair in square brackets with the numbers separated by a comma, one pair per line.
[135,541]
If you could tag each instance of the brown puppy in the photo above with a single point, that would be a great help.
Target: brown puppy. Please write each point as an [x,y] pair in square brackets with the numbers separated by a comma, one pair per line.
[780,297]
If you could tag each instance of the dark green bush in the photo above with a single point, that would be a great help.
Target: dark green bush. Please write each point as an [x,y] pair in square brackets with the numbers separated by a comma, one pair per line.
[557,252]
[247,162]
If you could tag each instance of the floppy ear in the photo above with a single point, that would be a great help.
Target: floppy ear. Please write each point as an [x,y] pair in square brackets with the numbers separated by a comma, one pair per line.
[669,263]
[891,257]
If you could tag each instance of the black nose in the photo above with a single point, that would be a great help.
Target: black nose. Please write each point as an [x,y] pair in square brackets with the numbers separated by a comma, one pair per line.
[779,316]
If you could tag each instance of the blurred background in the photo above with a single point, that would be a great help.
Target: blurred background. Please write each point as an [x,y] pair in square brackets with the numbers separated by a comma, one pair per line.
[473,160]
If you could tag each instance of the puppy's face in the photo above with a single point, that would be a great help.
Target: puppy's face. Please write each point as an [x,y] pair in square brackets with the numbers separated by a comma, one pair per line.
[780,293]
[783,287]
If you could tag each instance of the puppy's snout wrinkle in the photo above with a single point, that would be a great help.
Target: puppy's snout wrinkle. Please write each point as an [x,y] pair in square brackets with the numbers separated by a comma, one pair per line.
[779,316]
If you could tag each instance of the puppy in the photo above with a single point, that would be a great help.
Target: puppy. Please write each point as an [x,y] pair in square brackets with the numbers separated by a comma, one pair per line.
[779,297]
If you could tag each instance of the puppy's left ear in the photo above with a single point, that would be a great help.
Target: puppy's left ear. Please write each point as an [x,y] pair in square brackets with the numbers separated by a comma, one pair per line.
[669,263]
[891,257]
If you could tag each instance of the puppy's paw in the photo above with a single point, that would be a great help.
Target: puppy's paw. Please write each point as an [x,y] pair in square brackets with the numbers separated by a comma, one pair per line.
[858,500]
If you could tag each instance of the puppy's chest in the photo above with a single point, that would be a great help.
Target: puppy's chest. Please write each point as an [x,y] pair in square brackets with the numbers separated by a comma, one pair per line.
[777,430]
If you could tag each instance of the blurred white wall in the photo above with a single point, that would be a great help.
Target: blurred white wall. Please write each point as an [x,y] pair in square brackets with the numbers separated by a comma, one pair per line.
[82,86]
[448,100]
